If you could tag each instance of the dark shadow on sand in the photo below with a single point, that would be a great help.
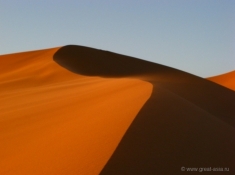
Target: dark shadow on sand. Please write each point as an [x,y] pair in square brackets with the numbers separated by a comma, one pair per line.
[187,122]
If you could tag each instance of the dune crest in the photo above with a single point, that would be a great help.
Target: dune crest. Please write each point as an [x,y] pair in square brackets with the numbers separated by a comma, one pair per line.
[226,80]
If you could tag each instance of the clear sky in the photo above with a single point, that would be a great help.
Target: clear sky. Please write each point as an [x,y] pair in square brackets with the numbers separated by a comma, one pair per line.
[196,36]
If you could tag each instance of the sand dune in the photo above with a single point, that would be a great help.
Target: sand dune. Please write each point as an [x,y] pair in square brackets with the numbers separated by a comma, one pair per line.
[78,110]
[56,122]
[227,80]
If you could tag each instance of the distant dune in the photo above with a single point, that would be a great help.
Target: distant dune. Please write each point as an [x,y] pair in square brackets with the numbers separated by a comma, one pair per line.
[76,110]
[227,80]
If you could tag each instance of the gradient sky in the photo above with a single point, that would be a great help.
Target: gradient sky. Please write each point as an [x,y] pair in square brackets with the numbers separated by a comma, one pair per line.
[196,36]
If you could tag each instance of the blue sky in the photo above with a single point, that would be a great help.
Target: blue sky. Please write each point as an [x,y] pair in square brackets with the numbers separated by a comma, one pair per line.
[196,36]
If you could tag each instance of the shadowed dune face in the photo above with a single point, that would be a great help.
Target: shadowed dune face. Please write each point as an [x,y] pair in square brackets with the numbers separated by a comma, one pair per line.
[92,62]
[187,122]
[226,80]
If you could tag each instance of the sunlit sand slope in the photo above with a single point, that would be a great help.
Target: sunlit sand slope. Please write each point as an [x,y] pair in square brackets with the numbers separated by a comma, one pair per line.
[227,80]
[187,122]
[53,121]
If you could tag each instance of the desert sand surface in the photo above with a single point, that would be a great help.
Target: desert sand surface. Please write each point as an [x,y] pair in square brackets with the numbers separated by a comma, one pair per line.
[79,110]
[226,80]
[56,122]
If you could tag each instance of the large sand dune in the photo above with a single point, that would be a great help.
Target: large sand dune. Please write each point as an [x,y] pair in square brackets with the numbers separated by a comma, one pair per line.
[226,80]
[56,122]
[82,111]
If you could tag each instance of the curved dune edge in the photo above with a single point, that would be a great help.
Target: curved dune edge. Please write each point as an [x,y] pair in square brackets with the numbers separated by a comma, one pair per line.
[57,122]
[227,80]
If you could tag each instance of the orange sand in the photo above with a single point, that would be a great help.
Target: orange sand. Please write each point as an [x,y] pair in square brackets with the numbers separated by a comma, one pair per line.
[56,122]
[80,111]
[226,80]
